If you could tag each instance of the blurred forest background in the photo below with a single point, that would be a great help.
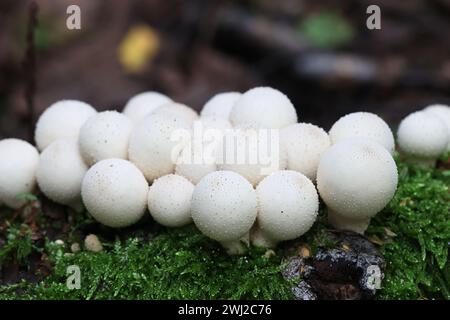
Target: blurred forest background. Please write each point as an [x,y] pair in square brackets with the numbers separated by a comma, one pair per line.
[320,53]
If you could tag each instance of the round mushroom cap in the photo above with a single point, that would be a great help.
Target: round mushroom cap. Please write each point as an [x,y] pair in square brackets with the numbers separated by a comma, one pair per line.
[213,122]
[62,120]
[18,163]
[178,110]
[220,105]
[224,206]
[263,107]
[61,171]
[154,147]
[356,178]
[287,205]
[304,144]
[363,125]
[169,200]
[442,112]
[423,135]
[114,192]
[142,104]
[104,136]
[251,153]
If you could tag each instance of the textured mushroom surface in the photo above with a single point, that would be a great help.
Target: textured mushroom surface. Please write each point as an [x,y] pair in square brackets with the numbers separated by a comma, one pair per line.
[62,120]
[142,104]
[363,125]
[104,136]
[224,206]
[115,192]
[443,113]
[18,163]
[220,105]
[178,110]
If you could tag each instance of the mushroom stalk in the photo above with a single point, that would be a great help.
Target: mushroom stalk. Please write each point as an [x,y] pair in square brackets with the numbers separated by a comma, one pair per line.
[237,247]
[260,239]
[344,223]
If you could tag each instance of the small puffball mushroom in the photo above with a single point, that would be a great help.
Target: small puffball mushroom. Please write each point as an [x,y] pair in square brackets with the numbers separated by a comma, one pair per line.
[356,178]
[61,171]
[263,107]
[62,120]
[442,112]
[115,192]
[154,144]
[169,200]
[224,208]
[422,137]
[251,155]
[142,104]
[363,125]
[220,105]
[105,136]
[18,163]
[179,110]
[304,144]
[287,208]
[213,122]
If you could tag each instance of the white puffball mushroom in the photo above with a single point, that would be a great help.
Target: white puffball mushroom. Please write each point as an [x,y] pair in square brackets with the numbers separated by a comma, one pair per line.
[18,163]
[179,110]
[250,154]
[220,105]
[155,144]
[356,179]
[213,122]
[115,192]
[288,205]
[62,120]
[442,112]
[422,137]
[304,144]
[169,200]
[61,171]
[224,208]
[363,125]
[263,107]
[142,104]
[104,136]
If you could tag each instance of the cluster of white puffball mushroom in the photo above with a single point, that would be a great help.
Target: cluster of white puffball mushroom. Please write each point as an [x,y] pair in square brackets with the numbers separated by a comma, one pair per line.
[119,165]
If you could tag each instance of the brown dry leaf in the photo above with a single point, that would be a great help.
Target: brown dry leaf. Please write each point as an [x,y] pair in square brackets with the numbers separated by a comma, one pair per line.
[389,233]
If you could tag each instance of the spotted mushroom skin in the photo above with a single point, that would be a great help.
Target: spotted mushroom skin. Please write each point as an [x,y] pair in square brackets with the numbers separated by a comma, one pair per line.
[151,146]
[443,113]
[18,163]
[62,120]
[288,205]
[142,104]
[220,105]
[104,136]
[363,125]
[263,107]
[178,110]
[356,178]
[61,171]
[224,206]
[169,200]
[115,192]
[304,144]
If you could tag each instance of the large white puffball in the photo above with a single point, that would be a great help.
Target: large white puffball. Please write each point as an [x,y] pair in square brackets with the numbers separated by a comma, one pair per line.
[62,120]
[18,163]
[363,125]
[115,192]
[442,112]
[169,200]
[142,104]
[224,206]
[304,144]
[287,205]
[220,105]
[155,144]
[178,110]
[61,171]
[356,178]
[104,136]
[423,135]
[263,107]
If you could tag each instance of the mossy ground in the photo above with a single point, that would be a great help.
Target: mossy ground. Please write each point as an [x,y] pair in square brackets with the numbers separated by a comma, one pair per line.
[412,233]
